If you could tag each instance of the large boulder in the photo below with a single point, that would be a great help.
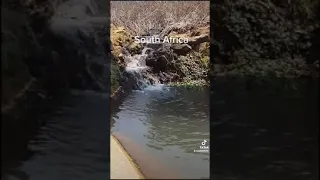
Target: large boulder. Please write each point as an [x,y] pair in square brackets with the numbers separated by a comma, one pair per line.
[199,39]
[162,63]
[122,40]
[181,49]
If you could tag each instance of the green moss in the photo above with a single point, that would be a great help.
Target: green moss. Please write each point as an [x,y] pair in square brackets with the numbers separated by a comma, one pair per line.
[193,85]
[115,76]
[134,47]
[193,67]
[205,61]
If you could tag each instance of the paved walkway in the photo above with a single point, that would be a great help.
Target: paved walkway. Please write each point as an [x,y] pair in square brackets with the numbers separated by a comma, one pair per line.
[122,165]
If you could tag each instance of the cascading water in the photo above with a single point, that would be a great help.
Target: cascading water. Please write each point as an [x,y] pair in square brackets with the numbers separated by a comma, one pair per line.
[137,68]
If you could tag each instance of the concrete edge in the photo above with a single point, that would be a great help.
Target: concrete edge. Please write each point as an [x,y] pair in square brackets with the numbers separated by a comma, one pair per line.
[130,159]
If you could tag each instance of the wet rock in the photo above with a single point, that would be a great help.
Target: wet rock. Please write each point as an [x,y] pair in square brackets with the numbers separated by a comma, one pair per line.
[151,61]
[134,48]
[162,63]
[121,57]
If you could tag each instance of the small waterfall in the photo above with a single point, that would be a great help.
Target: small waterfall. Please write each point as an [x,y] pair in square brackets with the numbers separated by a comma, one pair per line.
[137,68]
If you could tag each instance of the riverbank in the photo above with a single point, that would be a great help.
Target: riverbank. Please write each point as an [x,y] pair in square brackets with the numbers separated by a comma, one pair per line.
[180,64]
[122,166]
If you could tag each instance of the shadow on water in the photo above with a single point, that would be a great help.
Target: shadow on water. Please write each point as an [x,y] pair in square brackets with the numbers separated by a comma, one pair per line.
[264,129]
[167,124]
[69,140]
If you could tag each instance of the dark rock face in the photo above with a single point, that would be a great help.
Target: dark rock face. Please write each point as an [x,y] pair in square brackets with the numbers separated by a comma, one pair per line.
[160,59]
[151,62]
[80,40]
[162,62]
[258,29]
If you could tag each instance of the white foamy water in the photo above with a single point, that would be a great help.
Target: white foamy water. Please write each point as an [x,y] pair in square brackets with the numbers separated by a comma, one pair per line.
[136,65]
[156,87]
[137,62]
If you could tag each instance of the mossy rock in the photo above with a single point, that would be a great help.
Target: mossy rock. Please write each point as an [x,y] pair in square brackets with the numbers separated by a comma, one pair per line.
[201,30]
[176,35]
[115,76]
[191,84]
[119,38]
[134,48]
[122,38]
[204,49]
[205,61]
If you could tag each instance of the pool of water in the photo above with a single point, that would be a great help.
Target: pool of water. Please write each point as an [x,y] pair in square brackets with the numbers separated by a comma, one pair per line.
[161,127]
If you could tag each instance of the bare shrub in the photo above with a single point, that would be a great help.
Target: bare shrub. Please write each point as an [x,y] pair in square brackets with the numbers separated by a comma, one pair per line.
[141,16]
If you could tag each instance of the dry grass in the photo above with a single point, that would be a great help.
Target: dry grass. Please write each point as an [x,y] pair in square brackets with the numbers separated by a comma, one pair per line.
[140,16]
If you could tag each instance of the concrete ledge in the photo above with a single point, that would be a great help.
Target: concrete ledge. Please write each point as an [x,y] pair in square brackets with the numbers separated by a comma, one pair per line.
[121,164]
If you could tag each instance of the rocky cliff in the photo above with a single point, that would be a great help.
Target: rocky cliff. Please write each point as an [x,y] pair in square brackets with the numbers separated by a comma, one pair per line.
[63,44]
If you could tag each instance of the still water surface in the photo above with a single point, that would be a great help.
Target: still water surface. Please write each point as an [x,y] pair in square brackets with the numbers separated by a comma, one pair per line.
[166,125]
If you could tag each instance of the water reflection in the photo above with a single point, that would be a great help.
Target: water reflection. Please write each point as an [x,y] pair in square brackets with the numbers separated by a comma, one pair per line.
[178,118]
[169,124]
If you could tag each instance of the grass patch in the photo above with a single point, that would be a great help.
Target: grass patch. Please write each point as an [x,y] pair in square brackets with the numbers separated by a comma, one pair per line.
[191,85]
